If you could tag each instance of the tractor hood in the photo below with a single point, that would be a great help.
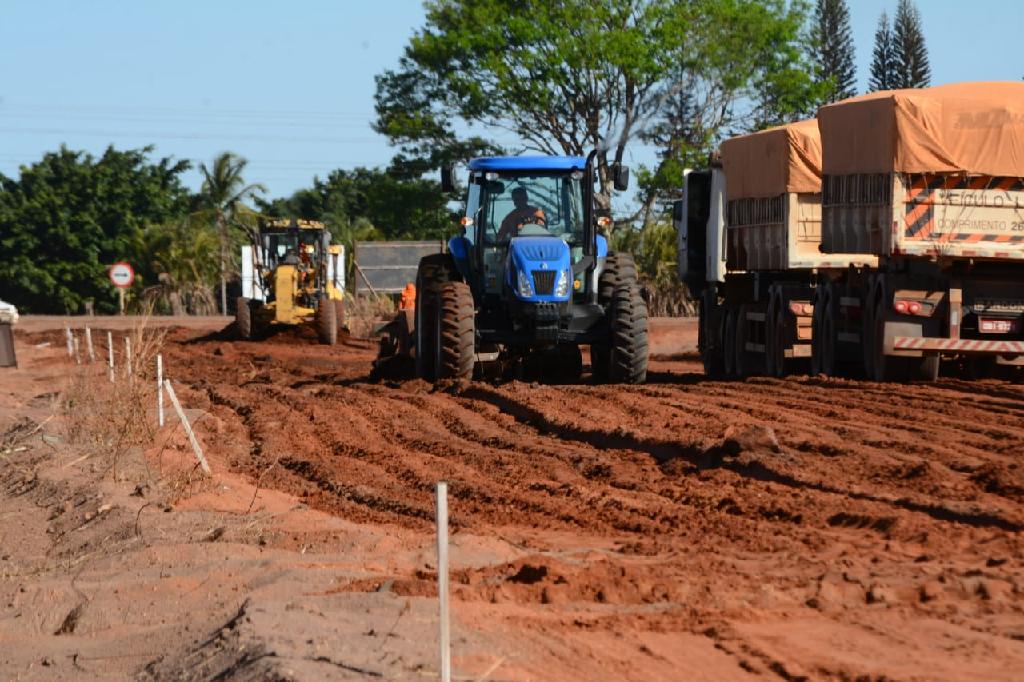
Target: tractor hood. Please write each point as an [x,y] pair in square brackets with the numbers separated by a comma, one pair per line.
[540,269]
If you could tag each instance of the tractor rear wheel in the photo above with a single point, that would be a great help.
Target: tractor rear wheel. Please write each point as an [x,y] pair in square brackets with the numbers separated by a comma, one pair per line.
[433,271]
[623,358]
[327,321]
[456,334]
[618,268]
[627,316]
[243,318]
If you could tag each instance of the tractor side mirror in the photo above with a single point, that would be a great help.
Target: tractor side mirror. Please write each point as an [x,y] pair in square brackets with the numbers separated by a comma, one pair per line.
[620,176]
[447,179]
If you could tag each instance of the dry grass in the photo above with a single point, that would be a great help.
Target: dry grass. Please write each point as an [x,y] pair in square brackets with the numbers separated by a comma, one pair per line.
[108,418]
[363,313]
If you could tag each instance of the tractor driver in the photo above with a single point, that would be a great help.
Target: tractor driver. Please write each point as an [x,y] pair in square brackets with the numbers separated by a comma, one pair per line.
[522,214]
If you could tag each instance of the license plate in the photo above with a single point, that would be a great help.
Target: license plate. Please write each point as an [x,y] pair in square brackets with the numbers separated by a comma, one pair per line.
[989,325]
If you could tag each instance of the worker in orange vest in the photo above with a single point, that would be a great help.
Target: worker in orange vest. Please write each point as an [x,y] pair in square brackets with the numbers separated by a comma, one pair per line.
[408,301]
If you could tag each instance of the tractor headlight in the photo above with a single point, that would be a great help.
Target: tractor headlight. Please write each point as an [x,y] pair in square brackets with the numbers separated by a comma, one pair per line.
[562,288]
[525,285]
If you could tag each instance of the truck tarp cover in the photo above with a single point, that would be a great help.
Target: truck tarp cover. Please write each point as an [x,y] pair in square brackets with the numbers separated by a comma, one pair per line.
[970,128]
[774,161]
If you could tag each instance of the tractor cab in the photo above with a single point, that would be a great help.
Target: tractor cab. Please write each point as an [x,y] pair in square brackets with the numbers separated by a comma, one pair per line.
[529,248]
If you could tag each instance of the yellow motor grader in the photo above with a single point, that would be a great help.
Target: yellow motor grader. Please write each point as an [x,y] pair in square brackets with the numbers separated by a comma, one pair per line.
[292,274]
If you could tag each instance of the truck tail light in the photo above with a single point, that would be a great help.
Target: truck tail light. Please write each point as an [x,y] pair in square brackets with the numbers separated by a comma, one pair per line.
[798,308]
[911,307]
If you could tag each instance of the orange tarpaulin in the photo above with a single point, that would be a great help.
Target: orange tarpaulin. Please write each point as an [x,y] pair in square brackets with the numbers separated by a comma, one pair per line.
[971,128]
[774,161]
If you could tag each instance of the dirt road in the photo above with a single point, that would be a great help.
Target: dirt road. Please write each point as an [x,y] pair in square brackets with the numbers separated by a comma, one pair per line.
[684,529]
[800,527]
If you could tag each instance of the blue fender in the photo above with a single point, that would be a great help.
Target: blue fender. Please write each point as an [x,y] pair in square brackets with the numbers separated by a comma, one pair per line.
[458,247]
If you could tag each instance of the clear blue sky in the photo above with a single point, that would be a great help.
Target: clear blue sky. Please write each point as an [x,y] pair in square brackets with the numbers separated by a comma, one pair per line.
[289,85]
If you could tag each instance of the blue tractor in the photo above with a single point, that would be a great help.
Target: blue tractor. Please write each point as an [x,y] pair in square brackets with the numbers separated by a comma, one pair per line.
[529,280]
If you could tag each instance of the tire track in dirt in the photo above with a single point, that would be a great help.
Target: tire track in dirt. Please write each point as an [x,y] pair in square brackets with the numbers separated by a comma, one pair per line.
[880,497]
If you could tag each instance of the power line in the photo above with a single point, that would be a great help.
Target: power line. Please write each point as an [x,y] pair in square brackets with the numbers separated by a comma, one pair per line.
[203,112]
[190,136]
[276,123]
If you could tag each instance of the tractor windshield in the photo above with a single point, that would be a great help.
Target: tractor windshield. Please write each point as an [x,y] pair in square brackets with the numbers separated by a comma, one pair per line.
[529,204]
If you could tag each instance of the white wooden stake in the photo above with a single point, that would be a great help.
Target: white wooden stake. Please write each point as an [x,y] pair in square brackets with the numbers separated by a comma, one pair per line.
[127,356]
[160,389]
[71,347]
[442,580]
[78,354]
[110,354]
[88,344]
[188,427]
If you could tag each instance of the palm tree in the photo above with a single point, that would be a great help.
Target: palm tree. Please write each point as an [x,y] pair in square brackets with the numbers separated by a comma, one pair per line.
[222,192]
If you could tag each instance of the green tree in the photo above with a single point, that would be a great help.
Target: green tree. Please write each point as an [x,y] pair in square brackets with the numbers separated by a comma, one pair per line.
[883,62]
[910,54]
[70,216]
[223,191]
[396,207]
[832,39]
[568,77]
[179,254]
[368,204]
[737,66]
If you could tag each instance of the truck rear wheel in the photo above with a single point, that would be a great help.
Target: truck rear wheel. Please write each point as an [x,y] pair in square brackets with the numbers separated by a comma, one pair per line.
[882,367]
[778,339]
[743,362]
[456,335]
[628,321]
[823,334]
[243,318]
[709,339]
[327,322]
[927,369]
[729,343]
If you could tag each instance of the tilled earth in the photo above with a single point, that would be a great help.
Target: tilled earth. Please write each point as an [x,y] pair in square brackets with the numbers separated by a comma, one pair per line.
[794,528]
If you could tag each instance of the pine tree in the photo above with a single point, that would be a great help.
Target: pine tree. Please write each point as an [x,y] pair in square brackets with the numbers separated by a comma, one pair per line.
[909,51]
[883,63]
[833,46]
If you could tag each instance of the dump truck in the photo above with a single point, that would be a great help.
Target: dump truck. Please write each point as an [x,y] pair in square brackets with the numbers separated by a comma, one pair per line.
[921,253]
[749,229]
[291,274]
[527,282]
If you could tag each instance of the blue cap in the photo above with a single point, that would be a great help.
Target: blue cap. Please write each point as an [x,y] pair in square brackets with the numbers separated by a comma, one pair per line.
[528,163]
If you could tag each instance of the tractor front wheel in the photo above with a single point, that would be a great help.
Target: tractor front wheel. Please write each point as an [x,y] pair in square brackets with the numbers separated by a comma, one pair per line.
[327,322]
[455,326]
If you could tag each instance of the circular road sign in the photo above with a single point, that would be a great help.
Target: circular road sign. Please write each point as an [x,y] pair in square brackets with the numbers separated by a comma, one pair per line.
[121,275]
